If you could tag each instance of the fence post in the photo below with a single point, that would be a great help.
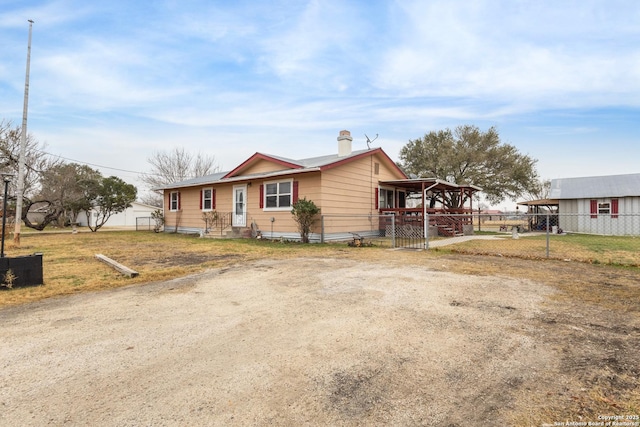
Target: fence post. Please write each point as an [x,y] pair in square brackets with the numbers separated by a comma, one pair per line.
[321,228]
[548,234]
[426,229]
[393,230]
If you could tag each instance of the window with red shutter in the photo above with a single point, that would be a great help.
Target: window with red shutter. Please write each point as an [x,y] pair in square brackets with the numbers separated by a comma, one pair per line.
[614,208]
[377,197]
[594,209]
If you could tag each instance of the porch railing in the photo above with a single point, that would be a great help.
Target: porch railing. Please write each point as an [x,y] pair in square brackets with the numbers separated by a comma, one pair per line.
[448,222]
[218,223]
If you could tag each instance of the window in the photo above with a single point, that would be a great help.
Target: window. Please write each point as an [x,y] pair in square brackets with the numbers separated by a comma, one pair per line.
[174,201]
[278,195]
[386,199]
[604,208]
[206,202]
[402,202]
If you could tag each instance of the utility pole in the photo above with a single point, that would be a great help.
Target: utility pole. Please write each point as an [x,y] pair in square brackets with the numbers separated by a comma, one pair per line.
[23,147]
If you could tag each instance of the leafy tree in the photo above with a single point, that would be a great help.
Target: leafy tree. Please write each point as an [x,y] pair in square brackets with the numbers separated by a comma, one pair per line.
[304,213]
[168,167]
[108,196]
[64,190]
[467,155]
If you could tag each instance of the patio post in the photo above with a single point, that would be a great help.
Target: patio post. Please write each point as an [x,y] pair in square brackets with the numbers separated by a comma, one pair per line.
[424,218]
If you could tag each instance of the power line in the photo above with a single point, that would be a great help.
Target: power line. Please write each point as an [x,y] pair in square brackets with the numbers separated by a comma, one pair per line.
[96,165]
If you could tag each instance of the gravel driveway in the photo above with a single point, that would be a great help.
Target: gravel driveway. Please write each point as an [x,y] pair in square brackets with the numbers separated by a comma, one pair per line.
[287,342]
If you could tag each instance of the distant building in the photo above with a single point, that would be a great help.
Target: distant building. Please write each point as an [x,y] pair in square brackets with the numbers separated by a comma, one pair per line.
[127,218]
[598,204]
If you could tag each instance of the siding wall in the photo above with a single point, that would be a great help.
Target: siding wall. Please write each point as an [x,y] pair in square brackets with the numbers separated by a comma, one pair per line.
[352,190]
[283,224]
[261,166]
[575,216]
[127,218]
[189,218]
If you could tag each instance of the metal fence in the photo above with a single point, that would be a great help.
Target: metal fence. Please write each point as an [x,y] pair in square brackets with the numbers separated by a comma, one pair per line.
[593,238]
[145,223]
[388,230]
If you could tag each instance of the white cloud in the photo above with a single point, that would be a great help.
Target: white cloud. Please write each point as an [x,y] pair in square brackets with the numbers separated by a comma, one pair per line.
[284,77]
[537,54]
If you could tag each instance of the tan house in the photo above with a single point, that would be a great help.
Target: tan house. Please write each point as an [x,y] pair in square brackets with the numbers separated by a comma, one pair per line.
[256,197]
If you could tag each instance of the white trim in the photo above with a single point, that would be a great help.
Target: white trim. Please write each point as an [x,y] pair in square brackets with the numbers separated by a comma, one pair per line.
[604,208]
[385,188]
[239,219]
[210,199]
[277,208]
[171,201]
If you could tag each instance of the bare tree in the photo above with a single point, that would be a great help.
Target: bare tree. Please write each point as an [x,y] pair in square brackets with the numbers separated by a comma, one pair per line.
[177,165]
[168,167]
[36,160]
[540,190]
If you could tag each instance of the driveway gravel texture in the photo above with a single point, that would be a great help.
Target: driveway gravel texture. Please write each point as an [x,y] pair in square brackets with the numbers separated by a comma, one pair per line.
[302,341]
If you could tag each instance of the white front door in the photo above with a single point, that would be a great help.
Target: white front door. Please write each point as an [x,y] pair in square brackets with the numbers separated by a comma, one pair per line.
[240,206]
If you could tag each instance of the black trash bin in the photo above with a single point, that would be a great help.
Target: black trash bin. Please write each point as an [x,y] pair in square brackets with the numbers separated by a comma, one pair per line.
[27,270]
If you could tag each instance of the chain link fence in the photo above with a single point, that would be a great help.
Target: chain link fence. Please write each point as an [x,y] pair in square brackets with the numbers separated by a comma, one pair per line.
[145,223]
[607,239]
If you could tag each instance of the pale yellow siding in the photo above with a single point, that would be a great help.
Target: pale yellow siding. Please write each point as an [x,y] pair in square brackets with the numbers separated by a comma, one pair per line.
[190,214]
[283,220]
[262,166]
[351,188]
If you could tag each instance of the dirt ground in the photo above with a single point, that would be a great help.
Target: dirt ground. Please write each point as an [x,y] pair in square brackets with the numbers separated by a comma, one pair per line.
[318,342]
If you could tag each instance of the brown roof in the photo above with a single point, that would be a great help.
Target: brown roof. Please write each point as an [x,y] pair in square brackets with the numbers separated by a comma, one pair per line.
[540,202]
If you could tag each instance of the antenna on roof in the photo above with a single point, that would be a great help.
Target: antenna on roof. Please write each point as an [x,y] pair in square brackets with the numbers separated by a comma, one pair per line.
[369,141]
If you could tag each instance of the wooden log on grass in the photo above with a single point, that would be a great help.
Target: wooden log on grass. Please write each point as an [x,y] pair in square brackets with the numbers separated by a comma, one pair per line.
[121,268]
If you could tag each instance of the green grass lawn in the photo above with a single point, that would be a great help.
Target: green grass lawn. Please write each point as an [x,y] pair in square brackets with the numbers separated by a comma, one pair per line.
[612,250]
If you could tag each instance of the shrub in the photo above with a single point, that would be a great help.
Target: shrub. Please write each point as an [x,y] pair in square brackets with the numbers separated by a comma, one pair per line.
[304,212]
[158,217]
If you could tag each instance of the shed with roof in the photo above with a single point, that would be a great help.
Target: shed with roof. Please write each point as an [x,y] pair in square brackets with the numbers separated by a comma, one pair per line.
[599,204]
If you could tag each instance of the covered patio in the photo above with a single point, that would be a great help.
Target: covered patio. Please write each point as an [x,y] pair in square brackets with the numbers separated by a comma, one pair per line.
[540,211]
[432,211]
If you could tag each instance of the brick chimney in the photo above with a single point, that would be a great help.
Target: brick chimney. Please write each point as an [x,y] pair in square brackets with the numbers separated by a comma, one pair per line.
[344,143]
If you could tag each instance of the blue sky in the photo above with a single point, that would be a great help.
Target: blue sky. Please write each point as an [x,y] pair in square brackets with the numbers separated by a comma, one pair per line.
[112,82]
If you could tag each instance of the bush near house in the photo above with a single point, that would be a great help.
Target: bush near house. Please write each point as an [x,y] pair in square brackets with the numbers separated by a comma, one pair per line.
[304,213]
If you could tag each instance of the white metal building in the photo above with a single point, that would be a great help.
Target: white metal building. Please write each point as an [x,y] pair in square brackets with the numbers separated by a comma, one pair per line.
[599,204]
[127,218]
